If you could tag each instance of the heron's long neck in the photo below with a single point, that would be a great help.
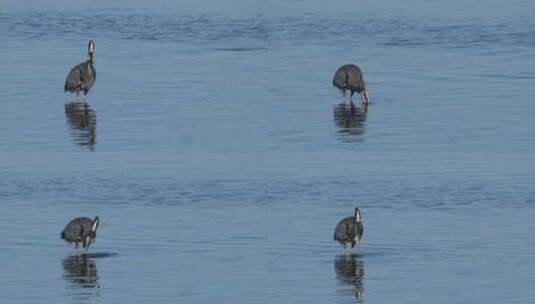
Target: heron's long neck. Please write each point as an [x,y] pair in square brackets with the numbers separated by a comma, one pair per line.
[89,69]
[90,65]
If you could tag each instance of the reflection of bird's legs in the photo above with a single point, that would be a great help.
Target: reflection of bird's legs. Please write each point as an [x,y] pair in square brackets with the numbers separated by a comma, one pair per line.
[358,295]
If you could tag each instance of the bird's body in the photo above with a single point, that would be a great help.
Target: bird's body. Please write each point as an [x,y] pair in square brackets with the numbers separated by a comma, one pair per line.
[81,230]
[349,77]
[349,230]
[82,77]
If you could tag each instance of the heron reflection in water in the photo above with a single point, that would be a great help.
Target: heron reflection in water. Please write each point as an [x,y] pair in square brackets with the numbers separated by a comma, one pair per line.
[349,270]
[81,271]
[82,120]
[350,120]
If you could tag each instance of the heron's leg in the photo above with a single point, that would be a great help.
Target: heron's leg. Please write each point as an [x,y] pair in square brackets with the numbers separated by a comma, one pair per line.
[76,245]
[343,95]
[362,99]
[352,105]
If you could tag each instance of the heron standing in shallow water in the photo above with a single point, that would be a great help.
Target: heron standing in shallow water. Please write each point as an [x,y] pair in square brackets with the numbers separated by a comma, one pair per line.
[82,77]
[81,230]
[349,77]
[349,230]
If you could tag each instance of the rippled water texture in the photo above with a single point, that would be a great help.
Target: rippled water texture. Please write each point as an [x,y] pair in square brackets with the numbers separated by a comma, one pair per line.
[219,157]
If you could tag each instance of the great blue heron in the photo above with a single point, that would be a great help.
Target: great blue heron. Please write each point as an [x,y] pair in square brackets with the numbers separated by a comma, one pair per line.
[81,230]
[349,77]
[349,230]
[82,77]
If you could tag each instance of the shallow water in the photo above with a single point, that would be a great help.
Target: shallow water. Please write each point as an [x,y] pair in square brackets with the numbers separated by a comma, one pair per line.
[219,157]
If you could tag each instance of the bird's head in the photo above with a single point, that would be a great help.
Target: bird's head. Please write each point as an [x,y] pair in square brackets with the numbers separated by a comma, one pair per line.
[91,50]
[93,233]
[358,216]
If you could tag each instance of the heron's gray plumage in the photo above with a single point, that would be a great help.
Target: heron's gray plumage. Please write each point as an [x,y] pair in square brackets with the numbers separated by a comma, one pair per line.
[81,230]
[82,77]
[349,230]
[349,77]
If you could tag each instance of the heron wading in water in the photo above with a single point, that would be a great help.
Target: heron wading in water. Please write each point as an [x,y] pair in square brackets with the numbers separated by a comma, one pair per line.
[82,77]
[81,230]
[349,77]
[349,230]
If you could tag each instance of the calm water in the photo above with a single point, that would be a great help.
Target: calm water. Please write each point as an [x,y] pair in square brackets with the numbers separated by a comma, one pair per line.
[219,159]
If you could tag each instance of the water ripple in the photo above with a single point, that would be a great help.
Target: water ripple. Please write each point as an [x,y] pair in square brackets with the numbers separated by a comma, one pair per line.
[407,193]
[261,31]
